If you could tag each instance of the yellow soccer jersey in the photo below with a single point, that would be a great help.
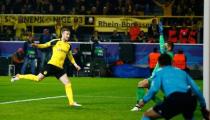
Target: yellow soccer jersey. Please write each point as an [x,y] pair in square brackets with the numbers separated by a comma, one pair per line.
[60,49]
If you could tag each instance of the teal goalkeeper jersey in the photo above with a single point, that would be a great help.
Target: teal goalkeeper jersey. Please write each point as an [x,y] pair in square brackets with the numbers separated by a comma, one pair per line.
[162,50]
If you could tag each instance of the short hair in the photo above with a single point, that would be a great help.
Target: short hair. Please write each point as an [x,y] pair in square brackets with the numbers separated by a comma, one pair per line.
[64,29]
[164,60]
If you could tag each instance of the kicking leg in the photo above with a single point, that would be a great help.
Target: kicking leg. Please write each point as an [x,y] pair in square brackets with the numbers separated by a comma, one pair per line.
[37,78]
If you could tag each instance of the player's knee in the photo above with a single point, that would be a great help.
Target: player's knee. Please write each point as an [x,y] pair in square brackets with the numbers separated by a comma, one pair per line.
[143,84]
[139,84]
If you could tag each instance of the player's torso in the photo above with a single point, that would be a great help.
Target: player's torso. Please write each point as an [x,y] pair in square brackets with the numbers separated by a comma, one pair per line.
[59,53]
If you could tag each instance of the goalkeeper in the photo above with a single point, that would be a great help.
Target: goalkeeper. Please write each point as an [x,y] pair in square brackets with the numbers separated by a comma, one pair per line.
[164,48]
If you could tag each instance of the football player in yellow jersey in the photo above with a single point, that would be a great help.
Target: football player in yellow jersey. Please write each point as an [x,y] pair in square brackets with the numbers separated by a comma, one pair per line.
[60,49]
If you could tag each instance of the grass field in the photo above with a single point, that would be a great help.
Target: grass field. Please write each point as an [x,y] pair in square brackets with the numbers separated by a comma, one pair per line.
[102,99]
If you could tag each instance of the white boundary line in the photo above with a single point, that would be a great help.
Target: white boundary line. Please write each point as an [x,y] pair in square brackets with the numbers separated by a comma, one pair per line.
[55,97]
[28,100]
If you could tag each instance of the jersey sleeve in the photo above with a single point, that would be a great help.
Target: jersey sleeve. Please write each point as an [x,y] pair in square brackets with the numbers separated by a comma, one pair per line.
[153,72]
[196,91]
[155,86]
[70,57]
[48,44]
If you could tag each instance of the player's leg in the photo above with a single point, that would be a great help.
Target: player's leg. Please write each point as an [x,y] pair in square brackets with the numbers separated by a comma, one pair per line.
[150,115]
[172,105]
[190,103]
[45,72]
[37,78]
[140,93]
[68,88]
[141,89]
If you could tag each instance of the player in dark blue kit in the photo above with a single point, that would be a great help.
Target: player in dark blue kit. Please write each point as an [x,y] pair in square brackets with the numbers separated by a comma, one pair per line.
[180,90]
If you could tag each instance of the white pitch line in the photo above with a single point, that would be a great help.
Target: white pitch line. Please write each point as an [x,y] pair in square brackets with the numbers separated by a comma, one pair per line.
[28,100]
[55,97]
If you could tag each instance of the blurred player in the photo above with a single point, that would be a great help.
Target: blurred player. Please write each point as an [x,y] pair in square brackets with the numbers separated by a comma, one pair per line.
[180,91]
[60,49]
[164,48]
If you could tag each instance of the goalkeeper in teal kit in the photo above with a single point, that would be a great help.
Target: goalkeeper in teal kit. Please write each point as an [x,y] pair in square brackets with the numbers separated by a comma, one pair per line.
[164,48]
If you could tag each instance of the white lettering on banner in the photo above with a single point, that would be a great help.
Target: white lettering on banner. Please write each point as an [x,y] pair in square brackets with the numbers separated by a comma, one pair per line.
[41,20]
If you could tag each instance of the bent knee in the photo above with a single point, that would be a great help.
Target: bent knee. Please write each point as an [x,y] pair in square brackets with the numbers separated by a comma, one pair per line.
[151,113]
[143,84]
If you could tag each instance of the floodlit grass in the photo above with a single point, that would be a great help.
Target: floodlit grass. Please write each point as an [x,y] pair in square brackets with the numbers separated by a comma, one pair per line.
[102,99]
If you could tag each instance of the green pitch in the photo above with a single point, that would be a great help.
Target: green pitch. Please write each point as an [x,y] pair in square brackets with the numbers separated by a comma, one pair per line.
[102,99]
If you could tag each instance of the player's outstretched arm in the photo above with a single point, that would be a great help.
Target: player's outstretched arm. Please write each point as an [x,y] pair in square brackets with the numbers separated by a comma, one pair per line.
[34,44]
[46,45]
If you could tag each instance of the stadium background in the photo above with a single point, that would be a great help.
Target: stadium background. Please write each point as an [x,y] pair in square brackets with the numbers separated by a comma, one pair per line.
[105,25]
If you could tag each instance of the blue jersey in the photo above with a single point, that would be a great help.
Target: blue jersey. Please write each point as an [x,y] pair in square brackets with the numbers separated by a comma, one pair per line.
[170,79]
